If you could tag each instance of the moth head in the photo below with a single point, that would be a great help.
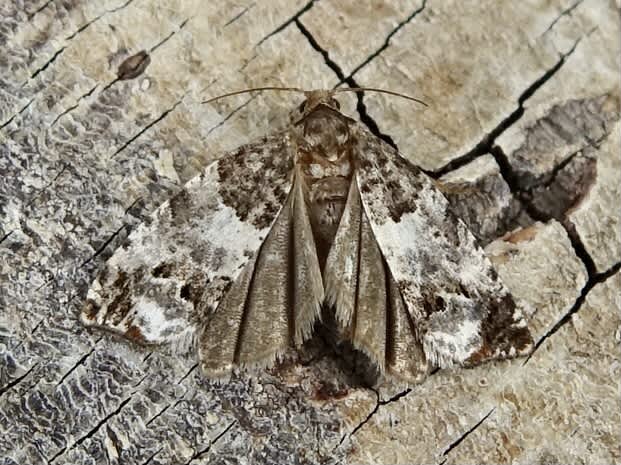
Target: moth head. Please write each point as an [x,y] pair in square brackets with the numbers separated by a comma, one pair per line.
[315,100]
[326,100]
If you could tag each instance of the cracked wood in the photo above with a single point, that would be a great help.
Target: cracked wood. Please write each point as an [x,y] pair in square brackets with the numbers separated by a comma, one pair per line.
[500,89]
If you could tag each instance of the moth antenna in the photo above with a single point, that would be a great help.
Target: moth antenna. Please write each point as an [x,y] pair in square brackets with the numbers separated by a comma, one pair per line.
[254,89]
[382,91]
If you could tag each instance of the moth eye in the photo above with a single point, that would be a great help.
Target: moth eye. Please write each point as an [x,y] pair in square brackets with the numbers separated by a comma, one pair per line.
[337,104]
[302,106]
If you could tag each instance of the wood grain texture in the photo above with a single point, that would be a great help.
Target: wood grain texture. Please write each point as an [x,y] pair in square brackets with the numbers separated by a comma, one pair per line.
[522,132]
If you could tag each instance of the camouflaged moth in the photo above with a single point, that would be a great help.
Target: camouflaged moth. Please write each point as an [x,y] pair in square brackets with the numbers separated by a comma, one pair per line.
[324,213]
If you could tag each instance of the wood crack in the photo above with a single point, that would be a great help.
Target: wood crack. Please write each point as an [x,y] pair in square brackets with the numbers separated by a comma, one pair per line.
[507,173]
[152,456]
[51,60]
[157,415]
[72,36]
[6,236]
[486,144]
[103,246]
[294,18]
[47,186]
[169,36]
[80,362]
[77,103]
[386,43]
[362,423]
[464,435]
[231,114]
[17,380]
[23,109]
[239,15]
[148,126]
[379,402]
[94,430]
[551,177]
[591,283]
[97,18]
[211,443]
[565,12]
[38,10]
[188,373]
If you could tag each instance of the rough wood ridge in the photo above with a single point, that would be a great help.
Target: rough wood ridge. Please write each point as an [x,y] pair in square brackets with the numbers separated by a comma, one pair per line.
[101,121]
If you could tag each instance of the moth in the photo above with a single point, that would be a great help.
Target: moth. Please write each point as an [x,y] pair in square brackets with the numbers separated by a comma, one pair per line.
[241,260]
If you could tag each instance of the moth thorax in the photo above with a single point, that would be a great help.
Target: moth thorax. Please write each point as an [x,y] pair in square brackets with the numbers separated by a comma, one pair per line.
[325,160]
[326,133]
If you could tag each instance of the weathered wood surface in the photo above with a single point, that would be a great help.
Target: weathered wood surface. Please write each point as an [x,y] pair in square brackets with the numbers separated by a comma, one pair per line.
[523,129]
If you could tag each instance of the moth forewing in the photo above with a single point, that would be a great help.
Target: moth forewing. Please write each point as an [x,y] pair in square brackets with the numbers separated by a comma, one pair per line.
[218,345]
[355,277]
[368,329]
[341,271]
[177,267]
[305,281]
[461,311]
[264,329]
[405,358]
[275,304]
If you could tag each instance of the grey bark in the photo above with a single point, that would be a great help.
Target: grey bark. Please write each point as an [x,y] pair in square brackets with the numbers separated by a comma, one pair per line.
[522,133]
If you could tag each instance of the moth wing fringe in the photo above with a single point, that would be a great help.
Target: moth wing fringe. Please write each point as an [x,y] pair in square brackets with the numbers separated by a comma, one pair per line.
[308,288]
[276,303]
[222,377]
[341,271]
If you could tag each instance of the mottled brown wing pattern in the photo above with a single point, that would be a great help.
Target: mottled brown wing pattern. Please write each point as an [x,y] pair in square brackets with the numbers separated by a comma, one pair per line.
[459,310]
[274,304]
[178,265]
[232,259]
[368,304]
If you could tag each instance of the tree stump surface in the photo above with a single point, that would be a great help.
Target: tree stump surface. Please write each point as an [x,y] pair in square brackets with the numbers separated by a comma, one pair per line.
[522,132]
